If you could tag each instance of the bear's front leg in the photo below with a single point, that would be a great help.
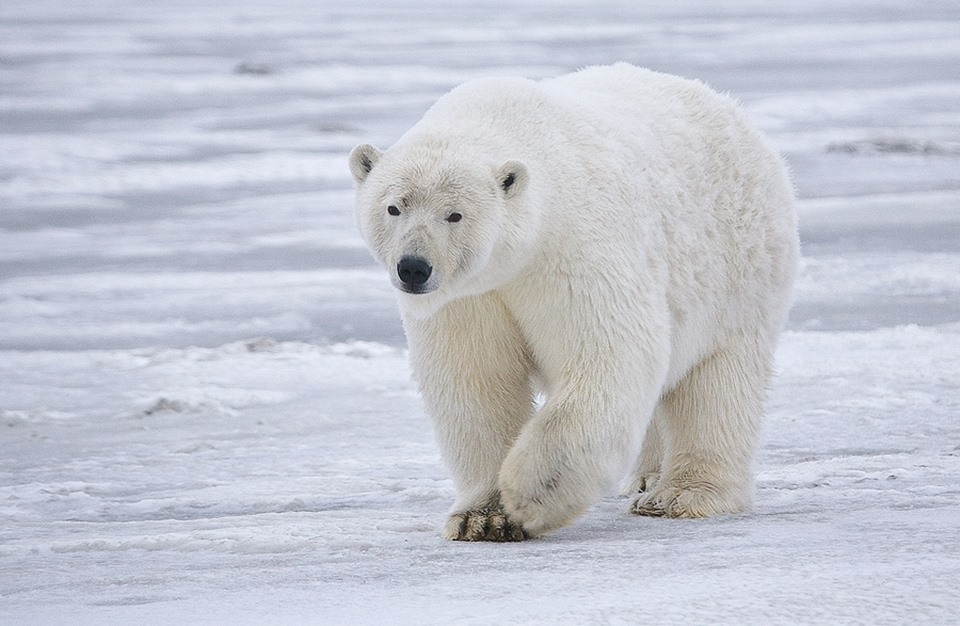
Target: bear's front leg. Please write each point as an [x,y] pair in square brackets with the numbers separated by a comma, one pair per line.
[585,437]
[473,369]
[564,459]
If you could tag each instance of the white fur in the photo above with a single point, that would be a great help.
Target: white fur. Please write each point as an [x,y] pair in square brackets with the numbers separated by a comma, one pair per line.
[639,265]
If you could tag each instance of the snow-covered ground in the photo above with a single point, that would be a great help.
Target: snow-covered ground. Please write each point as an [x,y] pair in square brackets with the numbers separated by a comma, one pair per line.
[205,409]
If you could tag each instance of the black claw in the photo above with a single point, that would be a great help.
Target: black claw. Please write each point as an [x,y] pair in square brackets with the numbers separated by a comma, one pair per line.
[488,525]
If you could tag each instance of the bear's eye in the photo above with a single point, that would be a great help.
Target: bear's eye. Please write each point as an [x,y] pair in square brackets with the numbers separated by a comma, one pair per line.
[393,210]
[454,217]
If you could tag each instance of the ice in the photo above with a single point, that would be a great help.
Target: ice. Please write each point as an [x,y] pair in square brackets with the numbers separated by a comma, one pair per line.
[206,415]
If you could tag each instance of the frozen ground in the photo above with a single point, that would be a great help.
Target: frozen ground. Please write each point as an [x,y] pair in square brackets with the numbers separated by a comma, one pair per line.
[205,411]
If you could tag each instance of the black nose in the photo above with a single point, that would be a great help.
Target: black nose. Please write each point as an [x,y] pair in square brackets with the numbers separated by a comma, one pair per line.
[413,270]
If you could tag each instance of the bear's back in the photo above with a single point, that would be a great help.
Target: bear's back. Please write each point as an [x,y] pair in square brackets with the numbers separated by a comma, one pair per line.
[618,103]
[488,101]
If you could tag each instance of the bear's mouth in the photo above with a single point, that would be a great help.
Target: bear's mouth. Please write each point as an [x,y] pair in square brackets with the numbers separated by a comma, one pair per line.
[415,289]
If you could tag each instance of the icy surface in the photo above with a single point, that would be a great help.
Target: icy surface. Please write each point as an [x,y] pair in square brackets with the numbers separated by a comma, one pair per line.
[205,409]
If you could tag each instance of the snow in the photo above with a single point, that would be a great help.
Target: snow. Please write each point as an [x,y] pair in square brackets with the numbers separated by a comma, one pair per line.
[205,410]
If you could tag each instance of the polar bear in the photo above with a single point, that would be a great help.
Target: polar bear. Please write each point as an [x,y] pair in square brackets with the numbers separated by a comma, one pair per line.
[592,271]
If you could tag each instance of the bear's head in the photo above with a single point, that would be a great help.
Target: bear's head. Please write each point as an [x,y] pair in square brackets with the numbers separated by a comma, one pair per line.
[443,225]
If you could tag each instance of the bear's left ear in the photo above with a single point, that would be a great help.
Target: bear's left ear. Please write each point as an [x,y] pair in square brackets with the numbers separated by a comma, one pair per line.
[513,177]
[362,160]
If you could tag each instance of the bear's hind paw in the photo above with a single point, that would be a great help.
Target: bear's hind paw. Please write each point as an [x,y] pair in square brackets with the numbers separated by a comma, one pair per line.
[690,501]
[487,524]
[648,508]
[641,483]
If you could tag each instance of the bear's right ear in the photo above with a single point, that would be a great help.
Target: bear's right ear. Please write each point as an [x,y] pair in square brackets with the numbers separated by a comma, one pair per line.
[513,177]
[362,160]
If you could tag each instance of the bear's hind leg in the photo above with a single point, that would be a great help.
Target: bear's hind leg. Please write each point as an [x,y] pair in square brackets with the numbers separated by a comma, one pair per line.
[646,473]
[710,426]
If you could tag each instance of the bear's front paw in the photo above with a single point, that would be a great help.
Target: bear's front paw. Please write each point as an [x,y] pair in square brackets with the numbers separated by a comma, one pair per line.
[483,524]
[539,496]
